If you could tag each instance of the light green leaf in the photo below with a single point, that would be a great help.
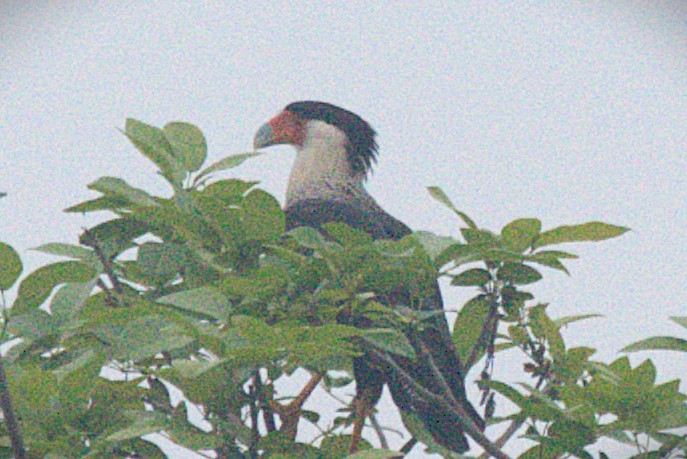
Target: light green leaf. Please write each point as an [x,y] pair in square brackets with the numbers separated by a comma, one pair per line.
[204,300]
[69,300]
[114,186]
[438,194]
[262,217]
[518,235]
[592,231]
[10,266]
[375,454]
[308,237]
[152,142]
[390,340]
[188,144]
[161,262]
[563,321]
[226,163]
[663,343]
[681,321]
[543,327]
[67,250]
[433,244]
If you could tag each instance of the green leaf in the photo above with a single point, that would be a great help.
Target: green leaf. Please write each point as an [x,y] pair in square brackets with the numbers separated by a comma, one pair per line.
[518,274]
[118,188]
[438,194]
[664,343]
[188,144]
[543,327]
[475,277]
[110,203]
[375,454]
[204,300]
[161,262]
[262,218]
[345,235]
[144,337]
[69,300]
[681,321]
[468,327]
[390,340]
[67,250]
[152,142]
[10,266]
[433,244]
[592,231]
[308,237]
[518,235]
[226,163]
[35,288]
[563,321]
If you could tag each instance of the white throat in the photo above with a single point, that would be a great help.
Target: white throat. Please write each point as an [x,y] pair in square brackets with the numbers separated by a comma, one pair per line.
[321,169]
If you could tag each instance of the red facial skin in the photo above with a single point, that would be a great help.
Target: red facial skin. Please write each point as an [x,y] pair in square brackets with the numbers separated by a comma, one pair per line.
[287,128]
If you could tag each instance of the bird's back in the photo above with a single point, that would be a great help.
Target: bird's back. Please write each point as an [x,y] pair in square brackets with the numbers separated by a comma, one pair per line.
[371,372]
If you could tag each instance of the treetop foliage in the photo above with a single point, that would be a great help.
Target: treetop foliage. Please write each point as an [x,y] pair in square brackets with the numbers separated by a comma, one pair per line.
[203,291]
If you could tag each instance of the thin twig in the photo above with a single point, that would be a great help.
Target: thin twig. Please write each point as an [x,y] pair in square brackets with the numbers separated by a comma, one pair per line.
[379,431]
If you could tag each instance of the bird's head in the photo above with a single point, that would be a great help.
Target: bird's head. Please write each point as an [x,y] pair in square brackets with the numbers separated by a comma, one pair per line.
[306,123]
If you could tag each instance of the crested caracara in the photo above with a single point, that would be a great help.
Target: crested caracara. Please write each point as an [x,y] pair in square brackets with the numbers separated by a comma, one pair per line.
[335,152]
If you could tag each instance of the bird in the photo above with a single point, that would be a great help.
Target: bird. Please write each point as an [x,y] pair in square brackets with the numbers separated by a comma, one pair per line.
[335,152]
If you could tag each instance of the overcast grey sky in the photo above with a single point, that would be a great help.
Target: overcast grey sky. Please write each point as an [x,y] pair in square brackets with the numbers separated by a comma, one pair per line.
[565,111]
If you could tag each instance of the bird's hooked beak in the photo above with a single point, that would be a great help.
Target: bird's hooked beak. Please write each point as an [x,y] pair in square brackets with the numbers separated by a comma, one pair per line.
[264,137]
[285,128]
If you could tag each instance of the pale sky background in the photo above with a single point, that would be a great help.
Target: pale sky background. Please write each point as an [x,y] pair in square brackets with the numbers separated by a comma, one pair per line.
[564,111]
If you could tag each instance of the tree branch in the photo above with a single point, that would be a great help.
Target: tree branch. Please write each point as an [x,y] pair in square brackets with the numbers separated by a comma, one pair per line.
[11,421]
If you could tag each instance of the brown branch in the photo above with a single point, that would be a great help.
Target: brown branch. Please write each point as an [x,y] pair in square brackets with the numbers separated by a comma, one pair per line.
[291,413]
[11,420]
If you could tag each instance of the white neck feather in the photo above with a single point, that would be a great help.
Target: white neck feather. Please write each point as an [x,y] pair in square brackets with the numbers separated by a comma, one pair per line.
[321,169]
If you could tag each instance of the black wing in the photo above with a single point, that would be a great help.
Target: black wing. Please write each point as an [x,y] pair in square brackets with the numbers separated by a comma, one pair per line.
[372,371]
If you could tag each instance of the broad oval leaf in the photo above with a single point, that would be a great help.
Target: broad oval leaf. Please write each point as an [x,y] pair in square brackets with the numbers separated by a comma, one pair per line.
[519,235]
[10,266]
[475,277]
[152,142]
[188,144]
[204,300]
[35,288]
[592,231]
[543,327]
[308,237]
[390,340]
[262,217]
[468,327]
[518,274]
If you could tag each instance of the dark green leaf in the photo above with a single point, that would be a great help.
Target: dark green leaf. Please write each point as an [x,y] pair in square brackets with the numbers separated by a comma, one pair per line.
[111,203]
[518,274]
[10,266]
[345,235]
[593,231]
[518,235]
[479,237]
[476,277]
[188,144]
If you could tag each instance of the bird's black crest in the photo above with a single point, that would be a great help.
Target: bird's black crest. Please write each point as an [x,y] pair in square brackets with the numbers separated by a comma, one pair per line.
[362,146]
